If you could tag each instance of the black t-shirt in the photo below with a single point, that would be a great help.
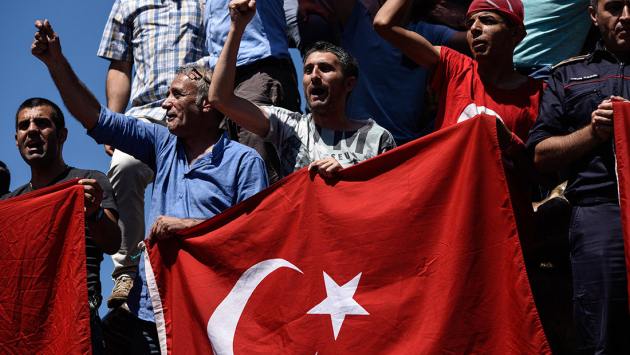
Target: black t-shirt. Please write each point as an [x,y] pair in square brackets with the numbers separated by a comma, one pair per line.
[93,254]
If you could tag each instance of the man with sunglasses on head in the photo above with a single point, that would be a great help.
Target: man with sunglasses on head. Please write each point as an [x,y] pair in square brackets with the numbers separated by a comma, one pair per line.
[151,39]
[199,171]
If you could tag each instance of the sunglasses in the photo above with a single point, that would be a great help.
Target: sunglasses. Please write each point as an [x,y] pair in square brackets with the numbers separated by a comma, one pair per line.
[201,76]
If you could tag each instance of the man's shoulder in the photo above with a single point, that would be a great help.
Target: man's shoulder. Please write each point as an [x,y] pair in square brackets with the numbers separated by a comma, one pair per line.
[454,59]
[283,112]
[571,61]
[577,70]
[74,173]
[17,192]
[379,130]
[237,150]
[102,179]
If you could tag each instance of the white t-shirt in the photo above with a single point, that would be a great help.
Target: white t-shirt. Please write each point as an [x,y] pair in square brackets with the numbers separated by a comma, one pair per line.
[299,141]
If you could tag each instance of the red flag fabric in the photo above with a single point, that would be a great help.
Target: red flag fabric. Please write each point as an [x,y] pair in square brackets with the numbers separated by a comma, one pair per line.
[412,252]
[622,154]
[43,288]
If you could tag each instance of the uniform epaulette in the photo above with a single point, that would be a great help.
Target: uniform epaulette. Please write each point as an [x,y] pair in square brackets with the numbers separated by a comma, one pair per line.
[570,60]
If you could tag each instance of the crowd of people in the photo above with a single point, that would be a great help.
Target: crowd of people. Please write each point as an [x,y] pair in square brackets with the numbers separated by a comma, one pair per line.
[215,118]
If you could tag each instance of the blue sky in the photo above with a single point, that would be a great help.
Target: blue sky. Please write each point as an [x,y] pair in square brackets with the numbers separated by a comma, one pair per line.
[80,25]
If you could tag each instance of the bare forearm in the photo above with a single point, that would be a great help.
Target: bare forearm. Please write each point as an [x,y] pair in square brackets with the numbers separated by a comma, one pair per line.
[81,103]
[387,24]
[105,233]
[391,13]
[222,86]
[556,153]
[221,95]
[118,85]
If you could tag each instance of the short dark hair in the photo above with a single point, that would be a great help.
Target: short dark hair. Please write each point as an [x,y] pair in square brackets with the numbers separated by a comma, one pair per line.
[594,4]
[5,179]
[57,115]
[349,65]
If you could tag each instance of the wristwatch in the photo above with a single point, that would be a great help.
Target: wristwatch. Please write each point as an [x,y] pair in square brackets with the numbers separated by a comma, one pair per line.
[97,215]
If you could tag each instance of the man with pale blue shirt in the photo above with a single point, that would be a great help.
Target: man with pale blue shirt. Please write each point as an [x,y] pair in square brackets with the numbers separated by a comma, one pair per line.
[145,42]
[199,171]
[265,73]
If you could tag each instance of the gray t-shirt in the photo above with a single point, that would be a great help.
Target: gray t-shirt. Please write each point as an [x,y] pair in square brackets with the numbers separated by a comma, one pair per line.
[300,141]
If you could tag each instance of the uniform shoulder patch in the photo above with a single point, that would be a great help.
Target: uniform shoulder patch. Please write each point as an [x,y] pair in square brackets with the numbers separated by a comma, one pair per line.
[570,60]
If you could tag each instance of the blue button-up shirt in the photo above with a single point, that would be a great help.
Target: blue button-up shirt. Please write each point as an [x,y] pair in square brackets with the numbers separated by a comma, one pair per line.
[216,181]
[265,36]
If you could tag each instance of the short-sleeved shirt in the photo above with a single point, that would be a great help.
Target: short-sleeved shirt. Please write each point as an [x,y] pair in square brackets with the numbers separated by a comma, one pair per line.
[265,35]
[93,254]
[391,87]
[158,37]
[227,175]
[574,91]
[463,95]
[299,141]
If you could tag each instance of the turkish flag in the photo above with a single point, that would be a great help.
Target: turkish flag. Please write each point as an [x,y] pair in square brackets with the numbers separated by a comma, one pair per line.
[622,154]
[43,288]
[412,252]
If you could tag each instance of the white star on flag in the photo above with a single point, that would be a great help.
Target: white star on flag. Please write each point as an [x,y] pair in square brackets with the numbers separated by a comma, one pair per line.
[339,302]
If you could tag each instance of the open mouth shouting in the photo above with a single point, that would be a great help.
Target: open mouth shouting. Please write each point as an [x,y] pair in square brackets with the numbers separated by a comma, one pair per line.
[34,146]
[479,45]
[318,93]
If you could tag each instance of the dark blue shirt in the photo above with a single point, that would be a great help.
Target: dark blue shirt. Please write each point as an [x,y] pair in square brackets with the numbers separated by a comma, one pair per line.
[575,89]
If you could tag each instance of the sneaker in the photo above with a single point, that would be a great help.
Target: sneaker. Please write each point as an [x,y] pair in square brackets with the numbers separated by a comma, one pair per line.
[122,286]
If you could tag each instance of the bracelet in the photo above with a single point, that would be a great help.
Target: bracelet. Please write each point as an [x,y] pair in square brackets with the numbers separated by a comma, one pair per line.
[97,215]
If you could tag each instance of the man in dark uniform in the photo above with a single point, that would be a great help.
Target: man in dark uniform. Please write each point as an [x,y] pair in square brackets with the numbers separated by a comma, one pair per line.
[40,134]
[574,131]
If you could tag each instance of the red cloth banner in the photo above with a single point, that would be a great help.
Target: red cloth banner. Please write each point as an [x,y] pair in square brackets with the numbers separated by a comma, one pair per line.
[43,287]
[412,252]
[622,154]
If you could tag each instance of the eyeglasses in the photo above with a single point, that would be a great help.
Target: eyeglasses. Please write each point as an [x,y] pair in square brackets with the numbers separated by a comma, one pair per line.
[201,76]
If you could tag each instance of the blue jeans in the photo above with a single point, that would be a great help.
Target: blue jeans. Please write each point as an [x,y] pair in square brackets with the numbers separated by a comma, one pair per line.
[600,285]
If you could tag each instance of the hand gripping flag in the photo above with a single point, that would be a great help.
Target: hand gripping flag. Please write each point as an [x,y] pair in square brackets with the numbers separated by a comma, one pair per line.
[412,252]
[622,154]
[43,287]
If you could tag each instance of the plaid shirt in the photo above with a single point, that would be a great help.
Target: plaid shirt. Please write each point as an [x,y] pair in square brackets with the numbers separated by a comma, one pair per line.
[158,36]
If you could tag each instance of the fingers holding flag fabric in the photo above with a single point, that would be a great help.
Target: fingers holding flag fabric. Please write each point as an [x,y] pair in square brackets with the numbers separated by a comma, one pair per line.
[433,240]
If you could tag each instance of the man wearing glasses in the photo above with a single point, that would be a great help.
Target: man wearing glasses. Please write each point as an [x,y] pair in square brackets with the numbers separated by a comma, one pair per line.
[199,172]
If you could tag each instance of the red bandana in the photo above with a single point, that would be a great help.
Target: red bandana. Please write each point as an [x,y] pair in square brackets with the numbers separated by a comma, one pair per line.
[512,9]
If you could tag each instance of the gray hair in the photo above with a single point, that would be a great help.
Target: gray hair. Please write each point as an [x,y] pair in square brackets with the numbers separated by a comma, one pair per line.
[594,4]
[203,83]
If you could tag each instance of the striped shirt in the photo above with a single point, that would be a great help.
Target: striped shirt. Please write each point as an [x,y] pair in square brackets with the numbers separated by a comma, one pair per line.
[158,36]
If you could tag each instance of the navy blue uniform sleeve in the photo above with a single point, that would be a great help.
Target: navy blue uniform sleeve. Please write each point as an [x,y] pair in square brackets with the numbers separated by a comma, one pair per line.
[552,119]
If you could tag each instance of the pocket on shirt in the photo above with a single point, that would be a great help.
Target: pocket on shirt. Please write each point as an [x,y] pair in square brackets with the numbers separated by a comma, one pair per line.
[581,100]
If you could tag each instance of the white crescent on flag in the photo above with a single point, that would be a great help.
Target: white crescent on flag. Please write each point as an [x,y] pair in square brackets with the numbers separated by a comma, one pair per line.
[222,324]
